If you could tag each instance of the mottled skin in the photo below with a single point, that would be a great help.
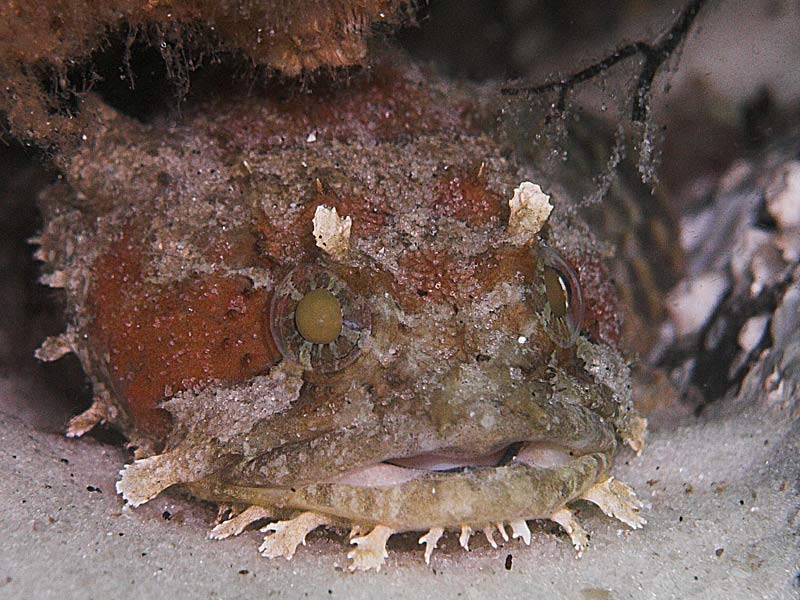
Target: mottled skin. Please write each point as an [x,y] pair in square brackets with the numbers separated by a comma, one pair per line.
[482,497]
[170,242]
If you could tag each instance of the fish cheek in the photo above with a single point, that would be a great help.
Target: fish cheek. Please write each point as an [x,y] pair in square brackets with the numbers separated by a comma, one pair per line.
[160,339]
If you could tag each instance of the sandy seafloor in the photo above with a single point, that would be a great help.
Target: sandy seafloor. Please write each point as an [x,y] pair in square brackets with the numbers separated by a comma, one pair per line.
[721,497]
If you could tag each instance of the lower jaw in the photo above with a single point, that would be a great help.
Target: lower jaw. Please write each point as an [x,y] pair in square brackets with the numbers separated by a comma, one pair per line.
[427,499]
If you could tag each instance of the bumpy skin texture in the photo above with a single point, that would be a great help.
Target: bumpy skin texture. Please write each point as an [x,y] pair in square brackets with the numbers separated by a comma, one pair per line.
[171,245]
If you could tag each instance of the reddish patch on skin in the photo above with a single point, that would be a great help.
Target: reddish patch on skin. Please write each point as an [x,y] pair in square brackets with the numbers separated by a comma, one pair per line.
[234,248]
[435,277]
[383,104]
[163,339]
[466,197]
[280,244]
[441,277]
[296,242]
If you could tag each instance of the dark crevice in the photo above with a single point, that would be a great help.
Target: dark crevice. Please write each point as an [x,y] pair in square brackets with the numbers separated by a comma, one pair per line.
[131,76]
[31,311]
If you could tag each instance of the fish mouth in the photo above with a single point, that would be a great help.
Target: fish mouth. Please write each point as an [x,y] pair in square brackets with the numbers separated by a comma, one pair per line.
[518,482]
[397,471]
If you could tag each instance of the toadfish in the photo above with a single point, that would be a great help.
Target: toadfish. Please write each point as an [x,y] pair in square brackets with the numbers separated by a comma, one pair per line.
[351,308]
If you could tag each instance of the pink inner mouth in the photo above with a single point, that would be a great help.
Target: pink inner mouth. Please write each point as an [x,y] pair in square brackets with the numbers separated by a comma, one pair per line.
[444,461]
[401,470]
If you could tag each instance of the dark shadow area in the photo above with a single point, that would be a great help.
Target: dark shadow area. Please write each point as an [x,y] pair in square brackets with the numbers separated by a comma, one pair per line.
[31,311]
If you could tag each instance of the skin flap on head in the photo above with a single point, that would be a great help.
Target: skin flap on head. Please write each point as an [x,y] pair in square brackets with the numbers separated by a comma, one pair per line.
[530,209]
[332,232]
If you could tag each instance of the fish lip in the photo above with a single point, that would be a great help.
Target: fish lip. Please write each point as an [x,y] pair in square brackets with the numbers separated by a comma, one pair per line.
[415,500]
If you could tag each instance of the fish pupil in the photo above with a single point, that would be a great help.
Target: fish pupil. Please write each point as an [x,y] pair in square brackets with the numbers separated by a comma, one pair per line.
[558,293]
[318,317]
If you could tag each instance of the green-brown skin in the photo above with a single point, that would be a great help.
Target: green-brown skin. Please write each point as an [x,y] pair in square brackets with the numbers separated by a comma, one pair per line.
[477,498]
[193,227]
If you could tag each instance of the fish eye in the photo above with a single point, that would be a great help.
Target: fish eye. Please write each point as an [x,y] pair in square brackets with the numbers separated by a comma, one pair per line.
[318,317]
[558,293]
[564,298]
[317,321]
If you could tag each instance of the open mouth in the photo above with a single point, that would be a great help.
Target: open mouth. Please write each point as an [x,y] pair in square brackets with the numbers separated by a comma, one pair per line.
[396,471]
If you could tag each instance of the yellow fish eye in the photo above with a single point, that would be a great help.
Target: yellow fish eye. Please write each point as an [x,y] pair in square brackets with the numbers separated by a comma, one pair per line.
[317,321]
[318,317]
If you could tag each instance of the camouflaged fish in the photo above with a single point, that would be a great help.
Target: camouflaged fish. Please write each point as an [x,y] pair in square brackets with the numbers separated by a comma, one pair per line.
[351,308]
